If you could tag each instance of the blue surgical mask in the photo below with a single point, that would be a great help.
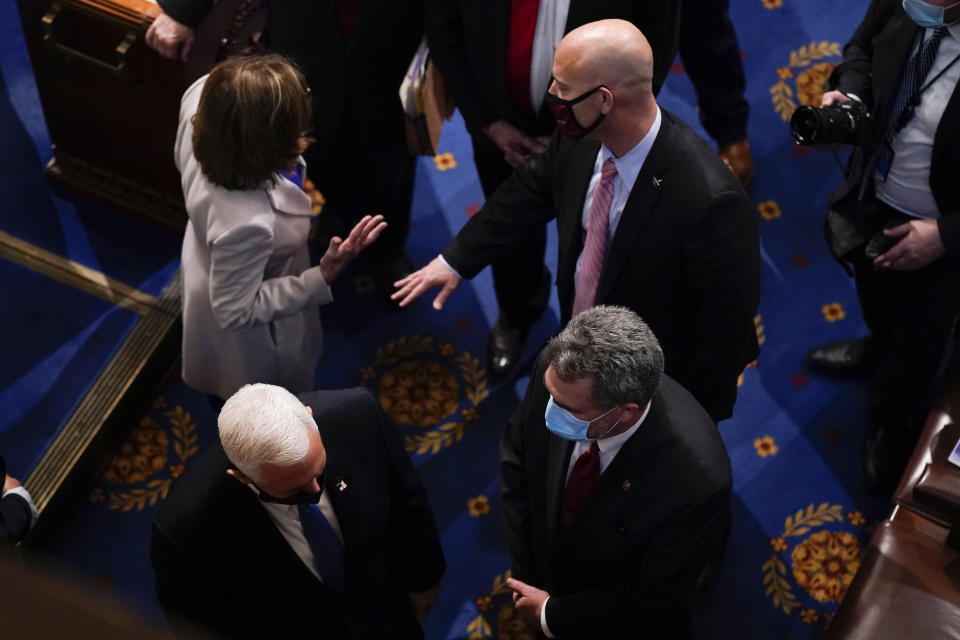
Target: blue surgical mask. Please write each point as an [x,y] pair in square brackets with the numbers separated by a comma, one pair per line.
[927,15]
[562,423]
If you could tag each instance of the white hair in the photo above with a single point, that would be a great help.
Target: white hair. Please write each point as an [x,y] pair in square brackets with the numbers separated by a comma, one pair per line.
[264,423]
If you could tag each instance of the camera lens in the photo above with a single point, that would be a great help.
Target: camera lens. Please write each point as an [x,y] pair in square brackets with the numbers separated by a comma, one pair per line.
[804,125]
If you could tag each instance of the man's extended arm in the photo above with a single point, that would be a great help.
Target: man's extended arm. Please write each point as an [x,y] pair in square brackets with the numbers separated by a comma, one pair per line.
[854,74]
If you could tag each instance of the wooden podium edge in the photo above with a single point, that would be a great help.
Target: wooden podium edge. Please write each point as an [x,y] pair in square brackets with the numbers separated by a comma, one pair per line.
[63,476]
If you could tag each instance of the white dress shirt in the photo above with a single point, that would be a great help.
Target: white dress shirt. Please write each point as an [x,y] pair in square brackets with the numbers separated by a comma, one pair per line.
[551,24]
[907,187]
[609,448]
[628,168]
[287,519]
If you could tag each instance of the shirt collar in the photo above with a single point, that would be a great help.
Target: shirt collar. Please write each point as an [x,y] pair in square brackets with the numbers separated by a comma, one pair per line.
[615,442]
[630,163]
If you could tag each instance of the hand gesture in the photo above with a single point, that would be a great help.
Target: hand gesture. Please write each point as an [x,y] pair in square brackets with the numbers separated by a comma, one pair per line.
[528,600]
[169,38]
[919,245]
[435,274]
[515,145]
[341,252]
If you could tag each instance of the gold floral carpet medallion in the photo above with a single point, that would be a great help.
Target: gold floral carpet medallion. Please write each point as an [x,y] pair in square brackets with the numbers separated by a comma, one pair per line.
[804,78]
[143,466]
[822,561]
[428,386]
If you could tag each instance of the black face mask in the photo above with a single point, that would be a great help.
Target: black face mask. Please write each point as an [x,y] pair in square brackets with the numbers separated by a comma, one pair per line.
[563,113]
[299,498]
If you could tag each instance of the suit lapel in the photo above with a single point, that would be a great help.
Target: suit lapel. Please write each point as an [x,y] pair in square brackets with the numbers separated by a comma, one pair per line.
[639,207]
[338,489]
[558,459]
[890,54]
[287,197]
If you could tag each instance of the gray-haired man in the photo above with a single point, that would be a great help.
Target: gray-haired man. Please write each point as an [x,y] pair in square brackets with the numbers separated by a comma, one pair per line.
[615,485]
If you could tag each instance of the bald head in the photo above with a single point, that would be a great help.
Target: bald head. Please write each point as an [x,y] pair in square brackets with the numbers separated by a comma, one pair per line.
[612,53]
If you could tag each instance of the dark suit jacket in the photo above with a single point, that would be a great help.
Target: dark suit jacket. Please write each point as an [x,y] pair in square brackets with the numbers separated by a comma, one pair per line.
[685,256]
[362,73]
[626,566]
[468,40]
[220,560]
[873,62]
[15,515]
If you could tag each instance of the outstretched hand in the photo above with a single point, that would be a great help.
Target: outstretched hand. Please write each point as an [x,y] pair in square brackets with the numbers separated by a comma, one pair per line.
[435,274]
[528,600]
[341,252]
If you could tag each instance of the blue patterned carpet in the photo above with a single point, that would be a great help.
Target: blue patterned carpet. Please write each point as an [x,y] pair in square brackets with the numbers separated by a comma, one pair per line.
[801,513]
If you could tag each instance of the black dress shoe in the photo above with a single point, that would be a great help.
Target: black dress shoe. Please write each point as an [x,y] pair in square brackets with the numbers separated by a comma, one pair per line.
[504,349]
[389,268]
[855,358]
[886,451]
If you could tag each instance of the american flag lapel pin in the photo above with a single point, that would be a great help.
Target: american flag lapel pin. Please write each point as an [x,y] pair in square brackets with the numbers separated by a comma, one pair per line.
[656,182]
[626,485]
[342,486]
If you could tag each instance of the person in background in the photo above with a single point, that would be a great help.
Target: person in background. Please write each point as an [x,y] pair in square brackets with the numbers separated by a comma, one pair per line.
[615,486]
[895,218]
[301,524]
[17,511]
[648,217]
[250,296]
[711,58]
[499,90]
[354,54]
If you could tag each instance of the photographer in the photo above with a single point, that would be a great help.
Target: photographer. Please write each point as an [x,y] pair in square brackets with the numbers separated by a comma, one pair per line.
[895,219]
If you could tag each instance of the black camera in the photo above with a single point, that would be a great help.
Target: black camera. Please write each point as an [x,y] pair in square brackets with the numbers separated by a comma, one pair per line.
[846,123]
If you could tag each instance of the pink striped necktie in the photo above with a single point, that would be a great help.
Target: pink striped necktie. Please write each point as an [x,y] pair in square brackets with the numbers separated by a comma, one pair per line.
[591,264]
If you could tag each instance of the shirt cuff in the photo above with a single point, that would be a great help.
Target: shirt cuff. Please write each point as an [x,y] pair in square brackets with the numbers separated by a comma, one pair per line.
[543,619]
[23,493]
[447,265]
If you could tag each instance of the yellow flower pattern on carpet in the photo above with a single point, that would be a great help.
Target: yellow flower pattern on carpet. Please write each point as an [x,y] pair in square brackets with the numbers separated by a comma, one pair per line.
[812,83]
[142,454]
[419,392]
[824,564]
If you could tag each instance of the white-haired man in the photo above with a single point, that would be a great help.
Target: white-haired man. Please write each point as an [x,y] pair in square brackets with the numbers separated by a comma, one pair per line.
[615,486]
[300,525]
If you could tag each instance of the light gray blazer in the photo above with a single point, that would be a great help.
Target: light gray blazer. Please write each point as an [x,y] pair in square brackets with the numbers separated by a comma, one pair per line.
[250,296]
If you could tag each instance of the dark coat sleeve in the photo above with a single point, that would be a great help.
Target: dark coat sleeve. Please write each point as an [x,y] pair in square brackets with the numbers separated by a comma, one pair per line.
[415,551]
[187,12]
[15,517]
[854,73]
[519,208]
[660,23]
[515,489]
[653,598]
[722,265]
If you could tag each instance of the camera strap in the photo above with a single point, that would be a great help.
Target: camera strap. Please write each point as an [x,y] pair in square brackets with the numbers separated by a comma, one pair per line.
[914,101]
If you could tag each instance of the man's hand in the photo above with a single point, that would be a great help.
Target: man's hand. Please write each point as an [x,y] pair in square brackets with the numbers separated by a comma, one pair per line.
[528,600]
[515,144]
[435,274]
[919,245]
[422,601]
[9,482]
[169,38]
[341,252]
[831,98]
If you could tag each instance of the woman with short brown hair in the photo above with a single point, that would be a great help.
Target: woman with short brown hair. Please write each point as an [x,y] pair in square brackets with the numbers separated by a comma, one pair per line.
[250,296]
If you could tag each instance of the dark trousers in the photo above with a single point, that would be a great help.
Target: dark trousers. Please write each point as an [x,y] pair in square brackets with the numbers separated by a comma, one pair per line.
[521,281]
[711,57]
[366,170]
[910,315]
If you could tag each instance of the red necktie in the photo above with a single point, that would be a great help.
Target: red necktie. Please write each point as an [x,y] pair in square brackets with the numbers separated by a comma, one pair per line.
[523,25]
[591,264]
[582,481]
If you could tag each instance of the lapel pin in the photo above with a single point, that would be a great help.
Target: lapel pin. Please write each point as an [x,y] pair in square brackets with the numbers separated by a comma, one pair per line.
[626,485]
[342,486]
[657,182]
